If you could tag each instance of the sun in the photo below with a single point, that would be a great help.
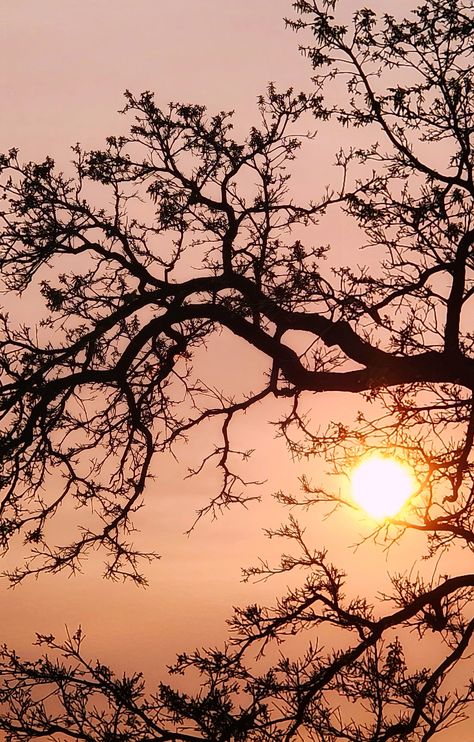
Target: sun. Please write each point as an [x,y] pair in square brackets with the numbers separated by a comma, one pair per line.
[381,485]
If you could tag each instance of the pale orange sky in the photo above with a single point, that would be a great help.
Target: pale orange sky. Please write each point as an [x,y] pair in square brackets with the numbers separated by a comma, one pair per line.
[63,69]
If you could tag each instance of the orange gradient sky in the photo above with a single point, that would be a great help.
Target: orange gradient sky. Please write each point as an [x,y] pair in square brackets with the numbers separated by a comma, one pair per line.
[63,69]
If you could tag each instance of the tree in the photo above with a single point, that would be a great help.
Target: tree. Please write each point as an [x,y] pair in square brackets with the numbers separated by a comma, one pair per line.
[113,385]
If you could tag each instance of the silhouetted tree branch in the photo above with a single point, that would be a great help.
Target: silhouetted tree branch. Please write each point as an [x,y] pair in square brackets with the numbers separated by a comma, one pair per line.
[104,380]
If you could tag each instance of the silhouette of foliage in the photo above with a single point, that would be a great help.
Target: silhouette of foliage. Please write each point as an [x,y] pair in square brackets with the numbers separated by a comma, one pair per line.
[105,380]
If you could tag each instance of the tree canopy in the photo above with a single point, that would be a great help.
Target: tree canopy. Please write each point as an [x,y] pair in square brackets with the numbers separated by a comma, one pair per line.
[177,231]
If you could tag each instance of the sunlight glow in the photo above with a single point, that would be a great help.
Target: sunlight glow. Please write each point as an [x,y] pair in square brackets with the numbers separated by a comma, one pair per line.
[382,485]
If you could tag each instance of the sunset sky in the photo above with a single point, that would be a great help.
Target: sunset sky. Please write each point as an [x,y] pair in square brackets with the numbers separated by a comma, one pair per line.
[63,69]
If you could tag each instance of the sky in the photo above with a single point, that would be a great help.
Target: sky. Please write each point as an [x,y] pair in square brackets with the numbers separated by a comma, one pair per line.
[63,69]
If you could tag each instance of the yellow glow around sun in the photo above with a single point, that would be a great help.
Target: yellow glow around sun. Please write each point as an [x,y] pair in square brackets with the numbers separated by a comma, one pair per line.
[382,485]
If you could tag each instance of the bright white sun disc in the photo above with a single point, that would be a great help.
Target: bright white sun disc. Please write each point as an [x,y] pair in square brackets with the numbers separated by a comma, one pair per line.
[381,486]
